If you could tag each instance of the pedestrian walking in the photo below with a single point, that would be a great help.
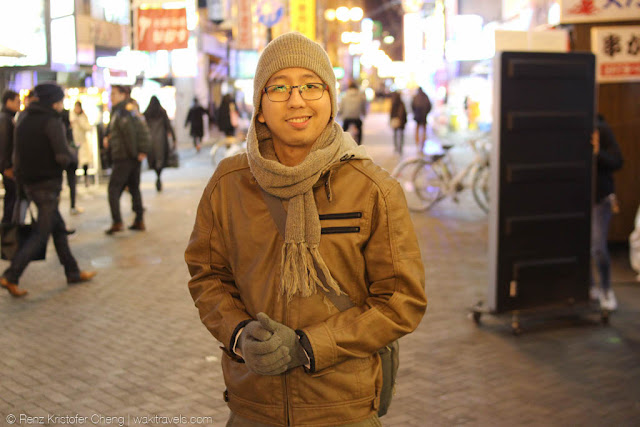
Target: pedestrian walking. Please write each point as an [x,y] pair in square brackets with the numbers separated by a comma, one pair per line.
[353,108]
[41,154]
[398,121]
[290,356]
[195,118]
[128,140]
[608,159]
[160,130]
[73,166]
[82,137]
[421,106]
[227,116]
[10,106]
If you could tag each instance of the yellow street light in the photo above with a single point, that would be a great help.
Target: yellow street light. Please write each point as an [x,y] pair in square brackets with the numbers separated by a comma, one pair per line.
[356,14]
[342,13]
[330,14]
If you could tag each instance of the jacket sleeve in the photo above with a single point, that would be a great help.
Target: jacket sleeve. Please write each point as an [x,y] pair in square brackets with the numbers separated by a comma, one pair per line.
[609,156]
[396,301]
[168,126]
[212,286]
[56,132]
[83,123]
[143,137]
[6,145]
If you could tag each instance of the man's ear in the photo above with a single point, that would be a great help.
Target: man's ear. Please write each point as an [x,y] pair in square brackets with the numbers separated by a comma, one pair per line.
[261,117]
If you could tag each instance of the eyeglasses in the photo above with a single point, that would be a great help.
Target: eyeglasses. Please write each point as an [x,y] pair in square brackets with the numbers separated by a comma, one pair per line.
[308,92]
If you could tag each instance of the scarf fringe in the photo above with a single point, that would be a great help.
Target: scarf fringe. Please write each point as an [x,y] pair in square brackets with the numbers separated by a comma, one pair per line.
[299,275]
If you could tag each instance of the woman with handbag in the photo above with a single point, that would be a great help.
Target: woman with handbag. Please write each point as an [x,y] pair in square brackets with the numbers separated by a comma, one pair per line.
[160,129]
[398,121]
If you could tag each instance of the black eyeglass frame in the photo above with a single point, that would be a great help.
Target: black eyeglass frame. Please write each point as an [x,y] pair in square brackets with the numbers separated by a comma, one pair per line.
[325,87]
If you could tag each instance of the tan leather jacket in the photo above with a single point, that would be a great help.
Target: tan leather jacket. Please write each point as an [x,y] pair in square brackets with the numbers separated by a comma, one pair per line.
[368,243]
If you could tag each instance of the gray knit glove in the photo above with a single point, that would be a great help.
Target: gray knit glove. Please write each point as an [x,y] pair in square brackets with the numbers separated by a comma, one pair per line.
[288,338]
[262,351]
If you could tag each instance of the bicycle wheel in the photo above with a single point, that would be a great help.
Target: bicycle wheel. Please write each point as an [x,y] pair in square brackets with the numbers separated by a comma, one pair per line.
[420,183]
[480,187]
[429,183]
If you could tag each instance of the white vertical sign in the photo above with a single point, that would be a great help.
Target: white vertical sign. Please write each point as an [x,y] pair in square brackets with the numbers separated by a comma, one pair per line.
[617,51]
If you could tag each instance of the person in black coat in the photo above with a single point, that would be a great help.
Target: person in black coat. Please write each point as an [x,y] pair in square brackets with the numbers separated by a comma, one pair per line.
[195,117]
[160,129]
[10,106]
[398,119]
[421,106]
[226,113]
[608,159]
[41,154]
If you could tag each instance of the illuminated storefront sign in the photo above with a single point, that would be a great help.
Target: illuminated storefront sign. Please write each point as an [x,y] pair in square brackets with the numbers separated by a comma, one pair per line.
[162,29]
[63,34]
[617,51]
[303,17]
[574,11]
[63,40]
[23,32]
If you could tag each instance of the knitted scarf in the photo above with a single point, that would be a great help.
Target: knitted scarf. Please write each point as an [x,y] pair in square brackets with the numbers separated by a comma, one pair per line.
[295,184]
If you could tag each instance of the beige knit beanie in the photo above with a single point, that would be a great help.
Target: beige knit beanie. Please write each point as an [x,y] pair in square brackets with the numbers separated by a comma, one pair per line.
[293,50]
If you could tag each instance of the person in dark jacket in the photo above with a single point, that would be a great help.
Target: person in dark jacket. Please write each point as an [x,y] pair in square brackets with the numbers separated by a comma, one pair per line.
[10,106]
[160,130]
[398,119]
[128,140]
[225,115]
[421,106]
[608,159]
[194,116]
[41,154]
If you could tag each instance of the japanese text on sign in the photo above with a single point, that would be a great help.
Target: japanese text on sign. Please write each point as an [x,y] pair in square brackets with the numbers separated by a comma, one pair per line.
[244,27]
[574,11]
[617,51]
[162,29]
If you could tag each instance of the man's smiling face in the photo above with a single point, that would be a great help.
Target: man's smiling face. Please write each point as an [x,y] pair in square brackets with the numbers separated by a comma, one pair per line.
[296,122]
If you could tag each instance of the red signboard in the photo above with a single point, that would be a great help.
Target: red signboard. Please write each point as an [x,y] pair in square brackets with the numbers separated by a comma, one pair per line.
[162,29]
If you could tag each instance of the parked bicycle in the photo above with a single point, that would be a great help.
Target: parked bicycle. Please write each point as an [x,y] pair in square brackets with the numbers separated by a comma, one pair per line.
[429,178]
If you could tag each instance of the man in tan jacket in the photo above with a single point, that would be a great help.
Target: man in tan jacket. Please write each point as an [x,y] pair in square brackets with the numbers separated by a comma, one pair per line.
[291,358]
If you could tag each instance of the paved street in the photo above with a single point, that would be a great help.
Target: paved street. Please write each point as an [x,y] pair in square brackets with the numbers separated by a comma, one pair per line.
[129,348]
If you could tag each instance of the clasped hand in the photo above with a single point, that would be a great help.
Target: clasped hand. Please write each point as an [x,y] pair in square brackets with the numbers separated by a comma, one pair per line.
[269,347]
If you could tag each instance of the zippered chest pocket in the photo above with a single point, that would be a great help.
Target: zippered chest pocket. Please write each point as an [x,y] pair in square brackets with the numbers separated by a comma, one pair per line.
[341,217]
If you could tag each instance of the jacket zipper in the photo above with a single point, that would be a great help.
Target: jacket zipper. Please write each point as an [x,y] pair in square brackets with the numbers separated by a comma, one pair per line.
[346,215]
[339,230]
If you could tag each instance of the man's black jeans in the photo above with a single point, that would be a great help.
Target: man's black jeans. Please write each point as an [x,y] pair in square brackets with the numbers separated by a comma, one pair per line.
[46,196]
[125,173]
